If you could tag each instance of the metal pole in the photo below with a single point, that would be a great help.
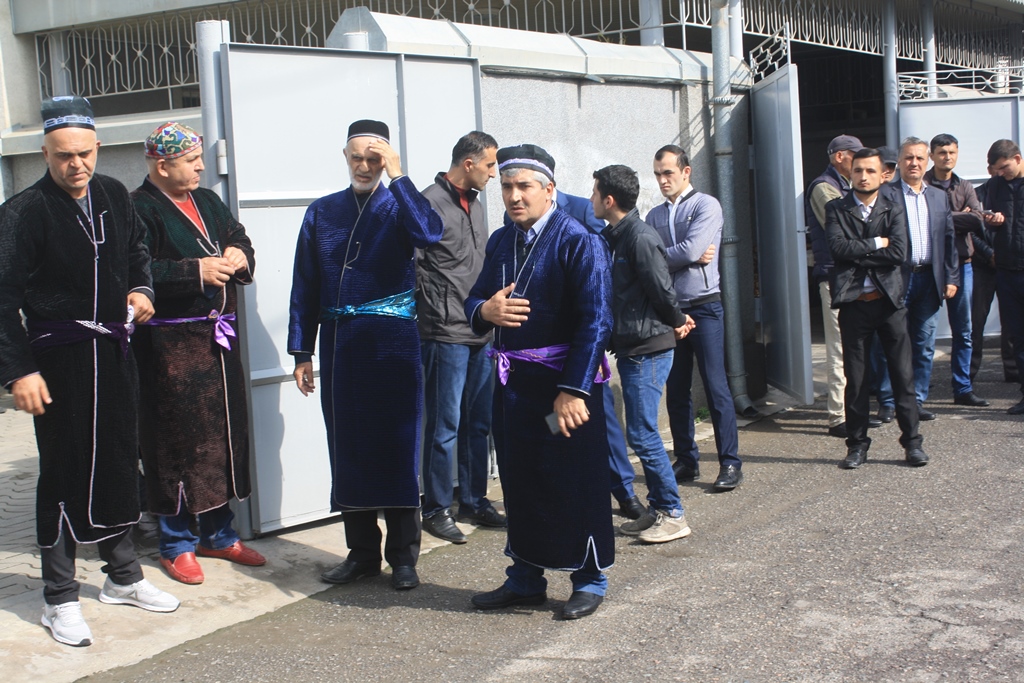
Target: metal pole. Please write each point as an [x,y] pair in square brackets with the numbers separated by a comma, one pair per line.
[651,30]
[210,35]
[890,92]
[736,29]
[928,49]
[729,259]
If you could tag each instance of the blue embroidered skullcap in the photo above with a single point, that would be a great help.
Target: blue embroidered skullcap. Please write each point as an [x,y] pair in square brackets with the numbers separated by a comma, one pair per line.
[66,111]
[527,156]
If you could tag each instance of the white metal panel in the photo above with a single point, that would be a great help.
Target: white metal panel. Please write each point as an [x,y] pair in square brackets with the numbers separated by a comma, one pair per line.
[976,123]
[781,231]
[287,112]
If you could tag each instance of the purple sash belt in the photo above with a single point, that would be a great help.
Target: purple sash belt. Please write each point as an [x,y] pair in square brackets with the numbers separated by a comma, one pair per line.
[46,334]
[550,356]
[222,330]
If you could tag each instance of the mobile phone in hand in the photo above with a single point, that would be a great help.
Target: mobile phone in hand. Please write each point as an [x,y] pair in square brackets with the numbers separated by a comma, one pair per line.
[552,421]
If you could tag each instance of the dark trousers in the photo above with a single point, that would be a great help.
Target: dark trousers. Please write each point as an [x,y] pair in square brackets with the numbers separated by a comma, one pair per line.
[402,546]
[858,322]
[705,344]
[58,563]
[1010,288]
[981,303]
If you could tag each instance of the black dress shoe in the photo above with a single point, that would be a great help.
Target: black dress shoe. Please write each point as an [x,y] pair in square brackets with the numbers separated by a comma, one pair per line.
[729,477]
[502,597]
[404,578]
[685,471]
[916,457]
[1017,409]
[349,571]
[874,422]
[924,415]
[886,414]
[488,517]
[581,604]
[969,399]
[632,508]
[839,431]
[855,457]
[443,526]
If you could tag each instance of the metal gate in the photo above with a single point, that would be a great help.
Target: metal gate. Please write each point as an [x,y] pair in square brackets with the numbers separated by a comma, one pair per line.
[286,114]
[781,230]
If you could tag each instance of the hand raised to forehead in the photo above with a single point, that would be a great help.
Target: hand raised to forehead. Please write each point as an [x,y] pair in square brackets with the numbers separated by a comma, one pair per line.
[392,162]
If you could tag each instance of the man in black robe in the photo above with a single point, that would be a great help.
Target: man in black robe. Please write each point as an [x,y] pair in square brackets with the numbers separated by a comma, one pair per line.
[73,261]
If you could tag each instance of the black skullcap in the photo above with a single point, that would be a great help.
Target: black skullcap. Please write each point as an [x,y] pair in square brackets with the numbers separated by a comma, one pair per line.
[376,129]
[67,112]
[527,156]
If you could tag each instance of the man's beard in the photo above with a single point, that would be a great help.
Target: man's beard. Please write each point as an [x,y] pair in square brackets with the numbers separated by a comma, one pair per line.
[366,187]
[864,193]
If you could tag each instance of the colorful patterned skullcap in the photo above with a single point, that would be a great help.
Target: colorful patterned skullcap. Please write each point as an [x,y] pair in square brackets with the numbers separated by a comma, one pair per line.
[172,140]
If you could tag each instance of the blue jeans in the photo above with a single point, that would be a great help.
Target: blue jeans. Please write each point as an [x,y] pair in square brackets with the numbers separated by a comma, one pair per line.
[215,531]
[618,459]
[705,344]
[457,385]
[923,305]
[527,579]
[958,309]
[643,380]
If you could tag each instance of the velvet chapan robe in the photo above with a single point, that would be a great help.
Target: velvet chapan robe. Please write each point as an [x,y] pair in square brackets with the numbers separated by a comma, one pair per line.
[194,423]
[55,270]
[371,379]
[555,488]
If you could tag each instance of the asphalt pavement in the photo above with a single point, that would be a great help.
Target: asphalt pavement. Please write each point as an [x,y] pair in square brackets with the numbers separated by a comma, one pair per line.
[804,573]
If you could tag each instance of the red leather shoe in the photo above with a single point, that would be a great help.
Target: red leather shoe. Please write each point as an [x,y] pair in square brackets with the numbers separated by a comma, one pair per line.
[184,568]
[235,553]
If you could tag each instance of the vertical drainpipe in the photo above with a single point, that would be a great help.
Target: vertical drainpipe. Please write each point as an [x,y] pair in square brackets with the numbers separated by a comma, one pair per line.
[928,47]
[722,102]
[890,93]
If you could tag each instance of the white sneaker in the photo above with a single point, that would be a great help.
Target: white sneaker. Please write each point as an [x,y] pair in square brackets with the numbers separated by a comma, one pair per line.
[665,528]
[141,594]
[66,624]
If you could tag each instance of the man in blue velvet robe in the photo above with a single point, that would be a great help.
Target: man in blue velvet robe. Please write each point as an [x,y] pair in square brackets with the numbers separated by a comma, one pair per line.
[353,280]
[546,287]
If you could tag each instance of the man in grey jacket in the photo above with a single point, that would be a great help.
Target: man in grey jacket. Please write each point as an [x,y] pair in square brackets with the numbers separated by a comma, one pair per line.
[689,222]
[456,367]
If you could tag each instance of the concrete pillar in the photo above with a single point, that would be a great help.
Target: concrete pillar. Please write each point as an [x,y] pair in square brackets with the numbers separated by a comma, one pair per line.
[651,20]
[928,43]
[736,29]
[890,86]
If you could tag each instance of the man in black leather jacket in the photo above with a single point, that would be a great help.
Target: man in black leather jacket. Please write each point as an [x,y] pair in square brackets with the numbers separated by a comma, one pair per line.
[868,239]
[647,323]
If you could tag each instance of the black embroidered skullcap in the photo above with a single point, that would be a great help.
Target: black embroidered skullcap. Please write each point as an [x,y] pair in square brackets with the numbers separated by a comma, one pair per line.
[527,156]
[368,127]
[68,111]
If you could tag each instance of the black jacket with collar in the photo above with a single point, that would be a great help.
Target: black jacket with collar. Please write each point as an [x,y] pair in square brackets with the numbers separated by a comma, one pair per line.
[851,241]
[1007,239]
[643,295]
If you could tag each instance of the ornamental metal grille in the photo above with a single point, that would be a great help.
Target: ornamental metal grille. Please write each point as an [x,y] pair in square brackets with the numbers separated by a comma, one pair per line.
[153,60]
